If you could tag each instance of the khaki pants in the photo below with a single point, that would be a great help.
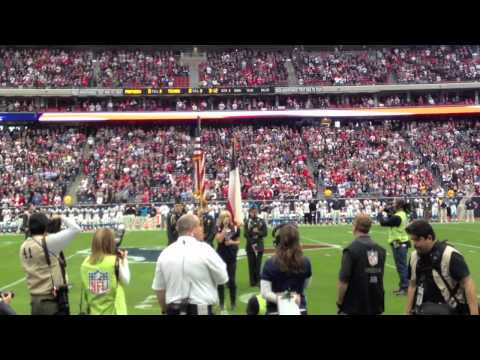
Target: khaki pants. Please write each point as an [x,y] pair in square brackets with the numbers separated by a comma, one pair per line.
[44,305]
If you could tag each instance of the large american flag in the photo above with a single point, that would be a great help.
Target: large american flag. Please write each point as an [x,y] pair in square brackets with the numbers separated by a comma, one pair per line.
[198,166]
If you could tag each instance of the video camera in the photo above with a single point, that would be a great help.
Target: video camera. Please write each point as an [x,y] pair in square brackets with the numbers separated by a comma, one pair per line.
[119,235]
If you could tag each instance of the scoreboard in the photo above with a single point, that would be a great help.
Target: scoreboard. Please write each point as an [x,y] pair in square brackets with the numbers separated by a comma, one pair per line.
[199,91]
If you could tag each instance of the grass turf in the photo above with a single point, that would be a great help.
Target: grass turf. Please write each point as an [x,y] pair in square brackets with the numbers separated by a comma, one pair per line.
[321,294]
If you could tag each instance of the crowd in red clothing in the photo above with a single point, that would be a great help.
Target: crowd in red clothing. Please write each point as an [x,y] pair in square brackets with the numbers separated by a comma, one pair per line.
[452,150]
[243,67]
[427,64]
[153,164]
[81,68]
[37,165]
[237,103]
[366,159]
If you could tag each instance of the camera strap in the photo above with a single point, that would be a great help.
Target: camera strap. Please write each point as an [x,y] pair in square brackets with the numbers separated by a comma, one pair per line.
[61,260]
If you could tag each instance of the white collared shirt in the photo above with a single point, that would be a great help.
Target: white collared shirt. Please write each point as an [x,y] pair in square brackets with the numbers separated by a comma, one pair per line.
[190,268]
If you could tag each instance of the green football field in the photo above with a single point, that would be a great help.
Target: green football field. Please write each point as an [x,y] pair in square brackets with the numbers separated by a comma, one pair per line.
[143,249]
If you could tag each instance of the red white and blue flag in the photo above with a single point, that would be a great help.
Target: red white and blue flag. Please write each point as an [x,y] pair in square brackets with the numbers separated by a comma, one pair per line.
[98,282]
[198,166]
[234,204]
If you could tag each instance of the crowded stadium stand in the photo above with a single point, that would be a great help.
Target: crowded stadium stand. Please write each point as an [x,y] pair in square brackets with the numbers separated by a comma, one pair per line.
[286,154]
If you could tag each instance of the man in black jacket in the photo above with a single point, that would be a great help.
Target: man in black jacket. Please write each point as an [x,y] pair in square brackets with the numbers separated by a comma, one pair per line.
[360,287]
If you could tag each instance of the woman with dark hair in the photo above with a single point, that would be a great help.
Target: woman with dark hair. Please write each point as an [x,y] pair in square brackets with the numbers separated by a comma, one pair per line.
[287,271]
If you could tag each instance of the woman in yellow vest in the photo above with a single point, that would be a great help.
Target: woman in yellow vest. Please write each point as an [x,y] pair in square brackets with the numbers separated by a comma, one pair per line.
[104,274]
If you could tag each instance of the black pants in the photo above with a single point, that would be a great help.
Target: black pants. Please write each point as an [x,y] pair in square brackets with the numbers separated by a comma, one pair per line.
[174,309]
[307,219]
[254,265]
[232,286]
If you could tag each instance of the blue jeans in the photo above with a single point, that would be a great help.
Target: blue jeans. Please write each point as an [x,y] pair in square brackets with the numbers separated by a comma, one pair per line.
[400,256]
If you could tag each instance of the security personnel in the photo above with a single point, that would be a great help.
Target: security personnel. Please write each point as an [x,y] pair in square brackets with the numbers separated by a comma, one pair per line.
[360,288]
[440,281]
[399,241]
[172,218]
[255,231]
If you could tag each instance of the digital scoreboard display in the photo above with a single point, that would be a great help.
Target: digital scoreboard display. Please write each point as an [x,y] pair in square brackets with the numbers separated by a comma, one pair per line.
[199,91]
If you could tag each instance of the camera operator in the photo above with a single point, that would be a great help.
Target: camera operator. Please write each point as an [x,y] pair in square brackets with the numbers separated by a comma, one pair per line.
[255,232]
[104,275]
[44,264]
[399,241]
[440,280]
[5,300]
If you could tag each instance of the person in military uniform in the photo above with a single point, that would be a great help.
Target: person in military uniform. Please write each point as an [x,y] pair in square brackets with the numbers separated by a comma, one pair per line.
[29,209]
[208,223]
[440,281]
[470,210]
[360,288]
[255,232]
[399,241]
[173,216]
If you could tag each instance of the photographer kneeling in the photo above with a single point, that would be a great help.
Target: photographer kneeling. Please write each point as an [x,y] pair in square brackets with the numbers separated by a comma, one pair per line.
[5,300]
[104,274]
[44,264]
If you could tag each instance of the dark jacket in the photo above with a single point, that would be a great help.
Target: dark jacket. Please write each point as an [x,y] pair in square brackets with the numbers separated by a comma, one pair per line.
[6,309]
[363,266]
[255,237]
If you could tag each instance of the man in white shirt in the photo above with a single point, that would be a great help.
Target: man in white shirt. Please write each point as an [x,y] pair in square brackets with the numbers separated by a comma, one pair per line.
[188,272]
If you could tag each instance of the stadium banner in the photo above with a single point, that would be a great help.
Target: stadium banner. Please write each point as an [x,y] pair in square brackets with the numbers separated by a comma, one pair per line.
[18,117]
[199,91]
[56,117]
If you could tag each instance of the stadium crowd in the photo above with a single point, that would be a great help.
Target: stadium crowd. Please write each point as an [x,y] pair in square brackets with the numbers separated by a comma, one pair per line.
[153,164]
[244,67]
[366,159]
[287,102]
[108,67]
[452,150]
[80,68]
[37,165]
[428,64]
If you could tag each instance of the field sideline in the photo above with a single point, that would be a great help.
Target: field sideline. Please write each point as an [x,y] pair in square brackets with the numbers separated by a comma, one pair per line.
[143,249]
